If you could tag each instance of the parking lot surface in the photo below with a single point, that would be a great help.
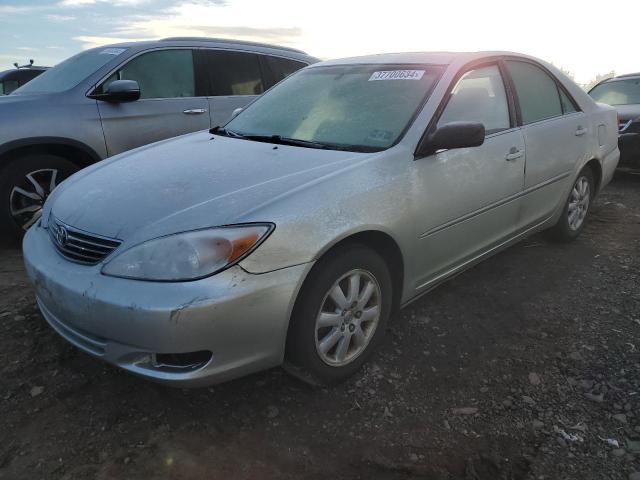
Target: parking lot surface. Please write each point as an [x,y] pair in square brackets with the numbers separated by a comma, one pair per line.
[525,367]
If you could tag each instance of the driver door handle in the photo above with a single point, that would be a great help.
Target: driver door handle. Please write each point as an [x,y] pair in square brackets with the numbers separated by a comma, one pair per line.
[194,111]
[514,154]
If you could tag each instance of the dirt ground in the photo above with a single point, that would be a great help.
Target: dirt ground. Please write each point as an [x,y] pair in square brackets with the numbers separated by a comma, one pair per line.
[525,367]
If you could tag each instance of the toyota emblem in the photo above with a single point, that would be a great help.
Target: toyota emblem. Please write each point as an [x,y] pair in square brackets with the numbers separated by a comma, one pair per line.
[62,236]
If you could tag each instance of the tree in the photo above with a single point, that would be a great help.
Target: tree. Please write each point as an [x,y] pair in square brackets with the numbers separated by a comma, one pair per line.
[598,78]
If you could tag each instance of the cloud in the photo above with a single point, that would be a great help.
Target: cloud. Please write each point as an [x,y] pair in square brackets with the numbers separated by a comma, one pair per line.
[89,41]
[113,3]
[60,18]
[278,35]
[18,9]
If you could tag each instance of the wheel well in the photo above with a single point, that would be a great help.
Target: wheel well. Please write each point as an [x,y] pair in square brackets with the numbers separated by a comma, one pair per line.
[68,152]
[596,169]
[388,249]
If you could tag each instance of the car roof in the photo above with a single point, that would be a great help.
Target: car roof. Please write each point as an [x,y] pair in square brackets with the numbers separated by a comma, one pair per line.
[216,43]
[428,58]
[15,73]
[626,76]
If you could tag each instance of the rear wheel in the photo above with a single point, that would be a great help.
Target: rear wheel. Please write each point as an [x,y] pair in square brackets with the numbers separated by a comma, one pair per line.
[576,208]
[25,185]
[340,315]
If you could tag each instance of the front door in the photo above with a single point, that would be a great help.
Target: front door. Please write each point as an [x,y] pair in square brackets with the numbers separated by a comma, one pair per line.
[168,105]
[469,198]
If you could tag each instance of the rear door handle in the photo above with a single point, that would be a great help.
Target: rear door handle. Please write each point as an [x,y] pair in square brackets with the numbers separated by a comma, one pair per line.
[194,111]
[580,131]
[513,154]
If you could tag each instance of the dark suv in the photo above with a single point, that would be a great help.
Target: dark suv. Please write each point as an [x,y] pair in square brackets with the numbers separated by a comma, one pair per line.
[13,79]
[623,93]
[110,99]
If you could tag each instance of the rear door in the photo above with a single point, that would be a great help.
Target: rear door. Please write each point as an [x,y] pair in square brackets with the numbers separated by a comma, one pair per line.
[234,79]
[168,105]
[555,134]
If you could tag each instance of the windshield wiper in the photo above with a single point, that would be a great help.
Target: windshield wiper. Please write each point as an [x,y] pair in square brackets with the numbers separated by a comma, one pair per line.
[218,130]
[278,140]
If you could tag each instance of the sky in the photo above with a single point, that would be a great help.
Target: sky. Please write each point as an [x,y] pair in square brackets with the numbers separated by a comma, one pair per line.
[584,37]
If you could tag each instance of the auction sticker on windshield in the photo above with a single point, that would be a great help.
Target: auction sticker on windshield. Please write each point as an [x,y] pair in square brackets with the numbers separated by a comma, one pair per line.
[397,75]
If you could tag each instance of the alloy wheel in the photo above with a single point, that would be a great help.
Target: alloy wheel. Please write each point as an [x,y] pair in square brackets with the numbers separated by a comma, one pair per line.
[348,317]
[579,203]
[28,197]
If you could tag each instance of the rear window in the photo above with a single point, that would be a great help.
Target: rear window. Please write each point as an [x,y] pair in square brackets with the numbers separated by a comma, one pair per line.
[232,73]
[618,92]
[281,68]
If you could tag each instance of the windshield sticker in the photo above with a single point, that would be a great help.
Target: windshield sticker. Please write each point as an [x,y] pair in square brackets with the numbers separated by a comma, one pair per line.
[397,75]
[112,51]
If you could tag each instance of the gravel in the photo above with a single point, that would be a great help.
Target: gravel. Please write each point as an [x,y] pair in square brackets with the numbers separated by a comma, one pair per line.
[525,367]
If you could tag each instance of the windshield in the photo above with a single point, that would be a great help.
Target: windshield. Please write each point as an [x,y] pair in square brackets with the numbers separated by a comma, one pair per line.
[360,107]
[618,92]
[71,72]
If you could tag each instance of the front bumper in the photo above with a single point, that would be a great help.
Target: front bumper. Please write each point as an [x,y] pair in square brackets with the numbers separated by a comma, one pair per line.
[241,318]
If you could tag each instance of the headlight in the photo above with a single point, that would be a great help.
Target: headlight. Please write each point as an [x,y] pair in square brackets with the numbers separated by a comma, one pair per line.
[189,255]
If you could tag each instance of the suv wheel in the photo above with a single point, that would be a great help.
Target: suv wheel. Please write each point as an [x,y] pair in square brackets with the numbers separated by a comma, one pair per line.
[25,185]
[340,315]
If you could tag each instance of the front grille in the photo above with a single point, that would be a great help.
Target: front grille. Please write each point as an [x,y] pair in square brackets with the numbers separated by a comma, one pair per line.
[80,246]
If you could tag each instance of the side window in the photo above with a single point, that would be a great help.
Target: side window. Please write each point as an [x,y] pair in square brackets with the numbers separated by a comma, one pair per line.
[10,86]
[281,68]
[479,96]
[567,104]
[233,73]
[537,92]
[160,74]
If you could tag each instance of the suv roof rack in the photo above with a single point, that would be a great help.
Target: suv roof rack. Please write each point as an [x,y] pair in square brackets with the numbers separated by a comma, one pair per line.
[228,40]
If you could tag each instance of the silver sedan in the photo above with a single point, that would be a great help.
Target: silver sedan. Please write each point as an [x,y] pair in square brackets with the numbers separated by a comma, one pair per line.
[291,235]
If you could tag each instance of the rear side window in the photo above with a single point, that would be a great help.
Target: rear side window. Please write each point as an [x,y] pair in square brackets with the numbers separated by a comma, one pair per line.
[280,68]
[567,104]
[160,74]
[479,96]
[8,86]
[537,92]
[232,73]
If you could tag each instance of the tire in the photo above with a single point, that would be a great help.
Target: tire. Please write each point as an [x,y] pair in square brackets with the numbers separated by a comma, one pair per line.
[567,230]
[25,184]
[358,324]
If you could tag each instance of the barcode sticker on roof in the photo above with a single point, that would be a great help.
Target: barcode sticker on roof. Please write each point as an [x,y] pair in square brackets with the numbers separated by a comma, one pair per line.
[397,75]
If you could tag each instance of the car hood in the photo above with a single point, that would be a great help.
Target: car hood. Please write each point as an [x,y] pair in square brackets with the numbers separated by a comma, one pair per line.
[194,181]
[6,101]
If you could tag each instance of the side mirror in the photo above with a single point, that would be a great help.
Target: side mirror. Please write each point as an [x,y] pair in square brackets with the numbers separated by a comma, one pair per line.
[120,91]
[235,113]
[452,135]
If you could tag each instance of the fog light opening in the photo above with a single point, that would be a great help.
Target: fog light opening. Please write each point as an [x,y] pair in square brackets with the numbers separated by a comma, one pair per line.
[181,361]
